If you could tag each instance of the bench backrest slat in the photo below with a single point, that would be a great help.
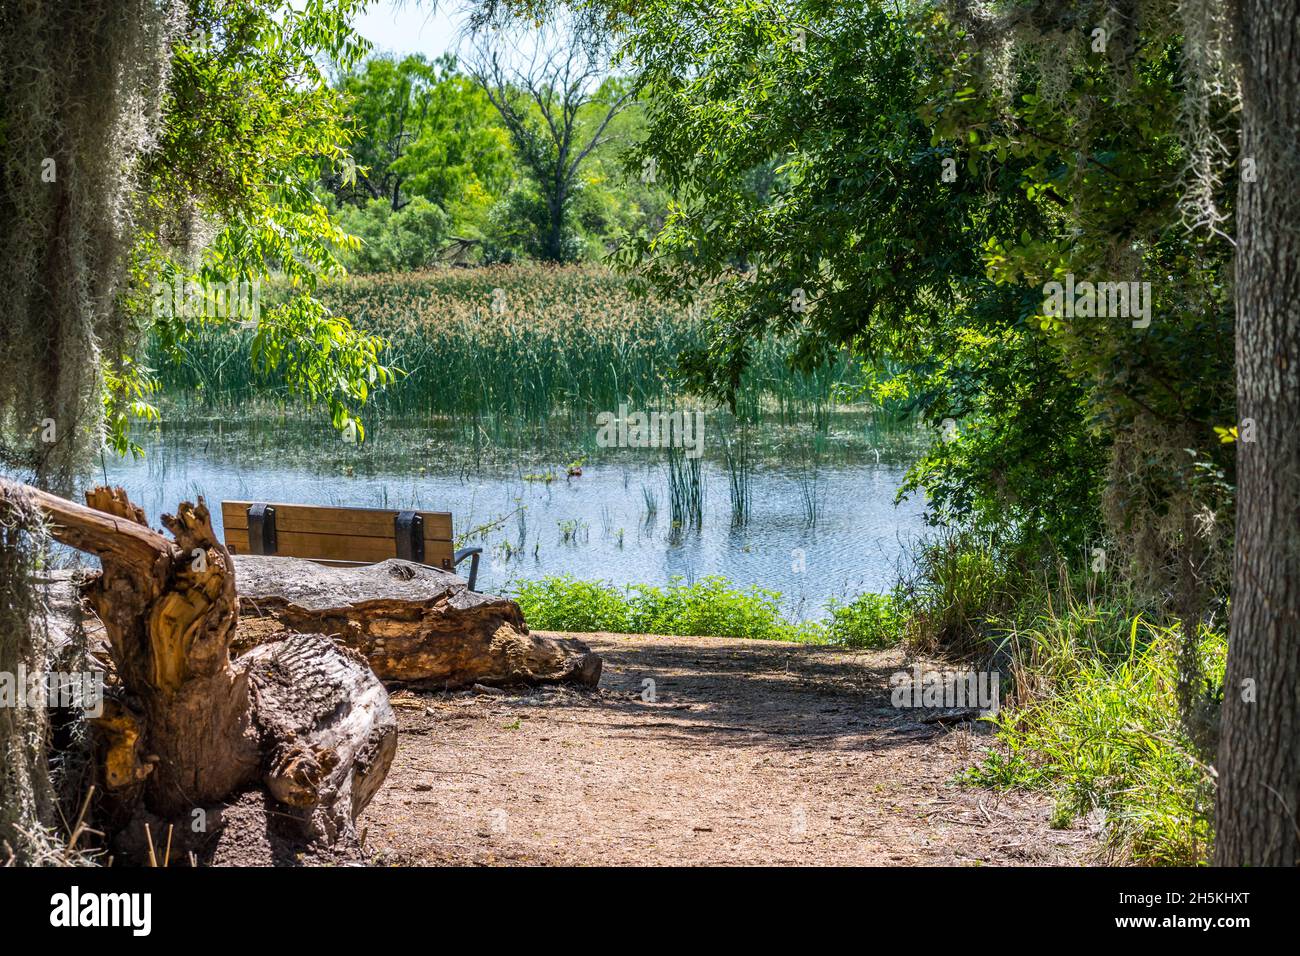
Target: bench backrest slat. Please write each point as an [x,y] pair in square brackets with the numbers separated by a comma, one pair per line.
[362,535]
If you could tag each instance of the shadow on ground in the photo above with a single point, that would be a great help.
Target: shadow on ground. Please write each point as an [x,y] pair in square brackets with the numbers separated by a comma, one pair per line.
[746,752]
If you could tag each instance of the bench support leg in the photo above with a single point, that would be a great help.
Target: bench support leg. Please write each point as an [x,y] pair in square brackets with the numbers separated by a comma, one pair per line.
[473,554]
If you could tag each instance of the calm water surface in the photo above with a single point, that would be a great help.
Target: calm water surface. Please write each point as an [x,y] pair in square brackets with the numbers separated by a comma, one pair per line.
[599,526]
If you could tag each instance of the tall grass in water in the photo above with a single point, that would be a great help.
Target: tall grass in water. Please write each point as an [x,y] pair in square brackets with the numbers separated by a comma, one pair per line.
[651,500]
[557,340]
[812,486]
[685,490]
[737,456]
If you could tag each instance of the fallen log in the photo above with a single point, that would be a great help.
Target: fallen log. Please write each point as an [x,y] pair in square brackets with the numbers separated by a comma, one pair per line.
[328,731]
[416,625]
[187,728]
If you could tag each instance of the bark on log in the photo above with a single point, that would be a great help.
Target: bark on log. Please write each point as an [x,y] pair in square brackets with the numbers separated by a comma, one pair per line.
[190,728]
[184,736]
[328,731]
[415,624]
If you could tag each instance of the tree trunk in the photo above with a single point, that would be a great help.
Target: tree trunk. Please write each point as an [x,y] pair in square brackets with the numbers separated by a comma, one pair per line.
[416,625]
[555,204]
[1259,757]
[189,730]
[27,796]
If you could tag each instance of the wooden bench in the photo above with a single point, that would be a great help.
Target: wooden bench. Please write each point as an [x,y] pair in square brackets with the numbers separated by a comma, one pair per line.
[343,536]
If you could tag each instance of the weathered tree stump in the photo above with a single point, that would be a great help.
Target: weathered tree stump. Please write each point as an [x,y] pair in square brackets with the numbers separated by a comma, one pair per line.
[415,624]
[189,729]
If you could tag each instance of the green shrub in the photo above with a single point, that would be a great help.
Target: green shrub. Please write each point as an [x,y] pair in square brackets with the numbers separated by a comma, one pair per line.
[516,226]
[564,603]
[394,241]
[869,620]
[710,607]
[707,608]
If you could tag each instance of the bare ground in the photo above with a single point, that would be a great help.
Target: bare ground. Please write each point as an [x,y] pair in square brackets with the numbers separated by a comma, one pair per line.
[752,752]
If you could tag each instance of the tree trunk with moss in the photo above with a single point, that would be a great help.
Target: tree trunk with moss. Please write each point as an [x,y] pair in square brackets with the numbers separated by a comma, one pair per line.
[81,90]
[26,795]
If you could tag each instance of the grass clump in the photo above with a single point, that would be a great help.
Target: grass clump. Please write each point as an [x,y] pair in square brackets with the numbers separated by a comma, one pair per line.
[1089,684]
[959,589]
[1096,725]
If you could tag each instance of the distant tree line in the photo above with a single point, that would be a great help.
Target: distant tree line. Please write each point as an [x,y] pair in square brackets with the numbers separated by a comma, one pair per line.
[516,153]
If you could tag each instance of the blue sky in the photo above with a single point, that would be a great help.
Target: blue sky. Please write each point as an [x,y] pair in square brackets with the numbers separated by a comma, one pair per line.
[402,27]
[407,27]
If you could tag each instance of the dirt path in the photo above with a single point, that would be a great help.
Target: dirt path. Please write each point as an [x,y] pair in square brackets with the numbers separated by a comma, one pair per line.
[754,752]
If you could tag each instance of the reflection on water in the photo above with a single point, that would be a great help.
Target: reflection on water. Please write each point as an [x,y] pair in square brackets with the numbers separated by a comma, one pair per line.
[610,523]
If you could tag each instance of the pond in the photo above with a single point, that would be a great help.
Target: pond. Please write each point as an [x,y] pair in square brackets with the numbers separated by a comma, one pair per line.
[822,521]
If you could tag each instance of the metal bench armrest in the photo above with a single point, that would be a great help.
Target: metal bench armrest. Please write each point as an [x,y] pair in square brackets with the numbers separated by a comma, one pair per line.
[473,554]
